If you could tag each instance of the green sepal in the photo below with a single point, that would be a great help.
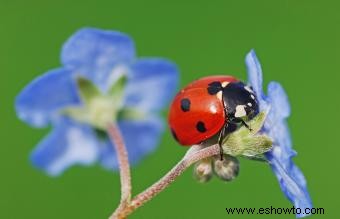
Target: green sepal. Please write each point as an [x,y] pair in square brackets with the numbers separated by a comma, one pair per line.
[247,142]
[259,158]
[130,114]
[87,89]
[78,113]
[116,91]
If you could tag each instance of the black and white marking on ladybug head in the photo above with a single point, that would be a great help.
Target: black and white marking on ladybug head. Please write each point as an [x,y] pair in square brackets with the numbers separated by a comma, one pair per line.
[239,100]
[225,83]
[249,89]
[240,111]
[219,95]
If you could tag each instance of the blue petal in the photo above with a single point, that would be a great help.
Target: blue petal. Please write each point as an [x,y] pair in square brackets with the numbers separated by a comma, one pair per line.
[152,84]
[68,144]
[254,71]
[279,99]
[276,126]
[291,179]
[39,101]
[95,53]
[292,188]
[141,138]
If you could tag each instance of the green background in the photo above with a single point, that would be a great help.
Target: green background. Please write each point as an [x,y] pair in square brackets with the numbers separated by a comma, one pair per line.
[298,45]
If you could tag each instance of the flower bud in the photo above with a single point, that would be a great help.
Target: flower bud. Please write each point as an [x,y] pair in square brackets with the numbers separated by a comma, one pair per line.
[226,169]
[203,170]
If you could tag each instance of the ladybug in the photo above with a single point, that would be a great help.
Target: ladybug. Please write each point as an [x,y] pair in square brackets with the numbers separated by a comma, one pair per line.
[209,106]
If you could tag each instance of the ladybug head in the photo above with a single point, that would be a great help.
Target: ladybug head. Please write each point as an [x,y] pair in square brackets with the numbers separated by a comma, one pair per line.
[240,101]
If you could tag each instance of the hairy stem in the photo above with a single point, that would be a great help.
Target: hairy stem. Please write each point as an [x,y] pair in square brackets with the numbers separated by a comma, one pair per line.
[194,154]
[123,161]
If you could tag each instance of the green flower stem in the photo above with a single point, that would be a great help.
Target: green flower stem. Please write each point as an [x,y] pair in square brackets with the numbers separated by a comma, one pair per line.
[123,161]
[194,154]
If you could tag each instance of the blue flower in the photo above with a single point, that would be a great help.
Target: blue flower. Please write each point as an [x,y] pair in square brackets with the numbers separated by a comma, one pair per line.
[100,57]
[291,179]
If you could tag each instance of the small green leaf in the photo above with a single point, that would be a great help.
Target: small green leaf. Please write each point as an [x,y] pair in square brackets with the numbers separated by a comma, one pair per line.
[247,142]
[80,114]
[259,157]
[130,114]
[116,91]
[87,89]
[256,145]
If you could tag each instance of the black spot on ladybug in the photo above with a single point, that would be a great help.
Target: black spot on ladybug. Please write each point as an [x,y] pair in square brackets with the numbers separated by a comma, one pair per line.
[185,104]
[201,127]
[214,87]
[174,134]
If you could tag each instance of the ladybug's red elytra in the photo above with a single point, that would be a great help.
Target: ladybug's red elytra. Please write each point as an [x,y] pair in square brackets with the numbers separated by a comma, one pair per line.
[209,106]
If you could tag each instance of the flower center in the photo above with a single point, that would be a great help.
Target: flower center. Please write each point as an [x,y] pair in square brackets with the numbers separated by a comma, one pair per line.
[98,109]
[102,110]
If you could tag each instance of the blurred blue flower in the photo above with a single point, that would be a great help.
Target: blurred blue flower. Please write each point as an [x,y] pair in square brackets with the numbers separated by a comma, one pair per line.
[291,179]
[99,56]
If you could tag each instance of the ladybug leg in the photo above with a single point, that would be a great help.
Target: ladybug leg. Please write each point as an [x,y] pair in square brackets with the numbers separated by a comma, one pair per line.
[239,120]
[220,139]
[246,125]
